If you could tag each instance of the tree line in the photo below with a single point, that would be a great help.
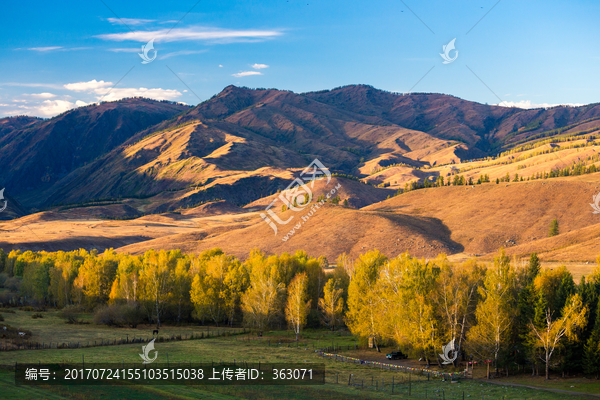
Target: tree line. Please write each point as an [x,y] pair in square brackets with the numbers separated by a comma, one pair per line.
[512,314]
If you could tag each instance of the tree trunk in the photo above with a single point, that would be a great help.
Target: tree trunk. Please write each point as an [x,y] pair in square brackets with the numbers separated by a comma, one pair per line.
[157,315]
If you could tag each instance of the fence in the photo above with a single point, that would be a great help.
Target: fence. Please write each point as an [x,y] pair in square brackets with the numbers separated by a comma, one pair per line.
[393,367]
[29,345]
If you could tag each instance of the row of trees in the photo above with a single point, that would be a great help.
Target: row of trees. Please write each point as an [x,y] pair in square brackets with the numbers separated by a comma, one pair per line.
[511,313]
[459,180]
[171,286]
[506,313]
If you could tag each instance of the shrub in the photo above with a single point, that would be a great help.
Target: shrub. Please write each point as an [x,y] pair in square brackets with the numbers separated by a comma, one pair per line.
[119,315]
[1,317]
[108,315]
[26,308]
[71,314]
[3,278]
[37,315]
[13,284]
[132,315]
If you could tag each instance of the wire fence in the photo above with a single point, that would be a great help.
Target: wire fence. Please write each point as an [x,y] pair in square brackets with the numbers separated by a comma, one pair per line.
[22,344]
[451,376]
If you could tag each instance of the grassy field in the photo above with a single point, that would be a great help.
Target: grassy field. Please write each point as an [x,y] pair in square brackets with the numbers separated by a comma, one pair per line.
[276,346]
[52,328]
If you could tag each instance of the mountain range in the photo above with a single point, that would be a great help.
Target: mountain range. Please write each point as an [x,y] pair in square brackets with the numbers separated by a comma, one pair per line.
[245,144]
[137,174]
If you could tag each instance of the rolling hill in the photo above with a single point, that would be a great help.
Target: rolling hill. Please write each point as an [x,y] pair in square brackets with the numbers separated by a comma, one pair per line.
[41,152]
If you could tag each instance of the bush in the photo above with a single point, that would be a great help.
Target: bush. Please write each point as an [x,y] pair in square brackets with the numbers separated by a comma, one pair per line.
[132,315]
[26,308]
[37,315]
[1,317]
[7,310]
[13,284]
[3,278]
[108,315]
[119,315]
[71,314]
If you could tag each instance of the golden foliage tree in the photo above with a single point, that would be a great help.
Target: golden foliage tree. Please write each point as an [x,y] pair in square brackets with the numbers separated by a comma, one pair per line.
[363,297]
[297,306]
[494,314]
[332,304]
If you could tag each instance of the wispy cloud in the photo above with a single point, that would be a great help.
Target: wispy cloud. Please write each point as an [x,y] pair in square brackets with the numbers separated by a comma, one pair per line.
[182,53]
[246,73]
[49,48]
[44,85]
[128,50]
[56,48]
[192,34]
[129,21]
[260,66]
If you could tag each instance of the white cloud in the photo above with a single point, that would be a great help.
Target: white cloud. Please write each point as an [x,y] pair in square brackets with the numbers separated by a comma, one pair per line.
[129,21]
[87,86]
[80,103]
[194,33]
[527,104]
[103,91]
[260,66]
[49,48]
[4,105]
[19,101]
[246,73]
[182,53]
[220,66]
[50,108]
[44,95]
[156,94]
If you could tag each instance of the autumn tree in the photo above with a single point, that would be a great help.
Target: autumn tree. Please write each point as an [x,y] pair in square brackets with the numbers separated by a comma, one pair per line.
[261,303]
[331,304]
[215,289]
[181,284]
[456,297]
[549,335]
[298,305]
[363,297]
[155,278]
[494,315]
[407,313]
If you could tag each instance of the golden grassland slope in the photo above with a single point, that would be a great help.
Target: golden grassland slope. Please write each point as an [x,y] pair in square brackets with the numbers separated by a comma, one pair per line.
[483,218]
[357,193]
[330,231]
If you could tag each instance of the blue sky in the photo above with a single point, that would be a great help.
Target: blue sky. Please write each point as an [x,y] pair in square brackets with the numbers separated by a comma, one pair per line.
[56,56]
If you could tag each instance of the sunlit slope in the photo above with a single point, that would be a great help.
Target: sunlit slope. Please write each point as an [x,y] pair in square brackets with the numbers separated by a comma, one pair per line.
[483,218]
